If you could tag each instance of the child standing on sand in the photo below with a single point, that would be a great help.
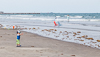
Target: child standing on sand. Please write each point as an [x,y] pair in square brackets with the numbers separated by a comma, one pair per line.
[18,38]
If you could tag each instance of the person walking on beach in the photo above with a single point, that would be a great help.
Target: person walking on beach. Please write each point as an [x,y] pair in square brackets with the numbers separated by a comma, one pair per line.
[55,22]
[68,18]
[18,38]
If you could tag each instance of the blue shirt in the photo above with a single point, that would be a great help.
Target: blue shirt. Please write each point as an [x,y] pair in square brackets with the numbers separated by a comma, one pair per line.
[18,36]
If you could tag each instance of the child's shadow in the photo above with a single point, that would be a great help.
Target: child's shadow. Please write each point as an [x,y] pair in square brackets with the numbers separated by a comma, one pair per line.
[28,46]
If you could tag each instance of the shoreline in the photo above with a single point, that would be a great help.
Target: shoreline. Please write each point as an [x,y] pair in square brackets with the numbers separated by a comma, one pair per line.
[40,46]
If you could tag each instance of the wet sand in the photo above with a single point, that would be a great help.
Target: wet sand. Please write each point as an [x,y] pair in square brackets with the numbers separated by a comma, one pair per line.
[37,46]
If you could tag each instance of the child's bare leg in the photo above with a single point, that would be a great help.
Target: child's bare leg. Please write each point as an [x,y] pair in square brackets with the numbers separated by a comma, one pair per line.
[18,44]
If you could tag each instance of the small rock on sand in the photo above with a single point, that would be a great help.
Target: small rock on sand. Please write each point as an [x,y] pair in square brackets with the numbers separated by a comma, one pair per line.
[62,54]
[72,55]
[32,46]
[0,36]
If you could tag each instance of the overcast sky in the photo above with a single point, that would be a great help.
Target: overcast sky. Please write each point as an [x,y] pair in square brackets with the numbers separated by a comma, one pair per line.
[56,6]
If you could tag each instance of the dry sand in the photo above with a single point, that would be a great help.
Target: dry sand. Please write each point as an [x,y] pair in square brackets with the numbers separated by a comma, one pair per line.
[37,46]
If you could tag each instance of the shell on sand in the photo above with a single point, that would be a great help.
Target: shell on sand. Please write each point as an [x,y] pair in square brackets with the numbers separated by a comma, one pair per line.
[98,40]
[34,28]
[86,35]
[78,32]
[90,38]
[0,36]
[32,46]
[22,28]
[55,30]
[63,38]
[74,33]
[78,37]
[67,36]
[81,40]
[42,30]
[38,28]
[51,29]
[57,36]
[60,31]
[62,54]
[29,28]
[98,46]
[47,30]
[83,36]
[72,55]
[94,42]
[25,28]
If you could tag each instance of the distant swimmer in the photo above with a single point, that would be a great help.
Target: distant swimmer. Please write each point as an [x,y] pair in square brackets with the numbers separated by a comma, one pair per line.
[68,18]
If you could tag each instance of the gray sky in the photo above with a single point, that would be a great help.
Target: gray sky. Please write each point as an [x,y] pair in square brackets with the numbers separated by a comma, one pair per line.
[56,6]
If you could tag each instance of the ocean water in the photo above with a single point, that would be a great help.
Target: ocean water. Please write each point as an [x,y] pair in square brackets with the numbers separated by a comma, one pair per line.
[87,23]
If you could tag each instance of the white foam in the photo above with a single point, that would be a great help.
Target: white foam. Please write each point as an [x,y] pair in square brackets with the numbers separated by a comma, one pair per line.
[76,16]
[47,18]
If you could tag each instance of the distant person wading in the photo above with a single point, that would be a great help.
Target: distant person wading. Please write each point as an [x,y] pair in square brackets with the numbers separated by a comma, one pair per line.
[68,18]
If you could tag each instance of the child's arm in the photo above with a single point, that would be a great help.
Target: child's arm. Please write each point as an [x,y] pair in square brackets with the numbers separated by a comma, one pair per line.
[21,34]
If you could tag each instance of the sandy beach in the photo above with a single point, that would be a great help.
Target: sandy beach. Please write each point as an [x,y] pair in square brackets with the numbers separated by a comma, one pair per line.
[38,46]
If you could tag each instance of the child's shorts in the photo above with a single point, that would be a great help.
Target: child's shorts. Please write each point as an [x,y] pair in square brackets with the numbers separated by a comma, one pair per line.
[17,41]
